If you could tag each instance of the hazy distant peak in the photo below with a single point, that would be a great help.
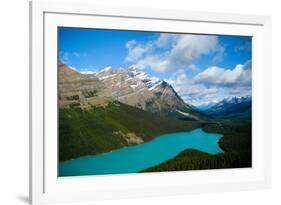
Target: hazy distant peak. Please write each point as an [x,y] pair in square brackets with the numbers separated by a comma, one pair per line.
[107,69]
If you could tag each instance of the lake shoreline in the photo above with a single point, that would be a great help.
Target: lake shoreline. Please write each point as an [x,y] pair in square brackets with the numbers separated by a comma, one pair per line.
[85,156]
[142,156]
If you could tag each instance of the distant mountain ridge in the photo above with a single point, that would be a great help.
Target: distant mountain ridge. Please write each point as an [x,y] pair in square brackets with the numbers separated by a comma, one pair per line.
[128,86]
[206,106]
[231,107]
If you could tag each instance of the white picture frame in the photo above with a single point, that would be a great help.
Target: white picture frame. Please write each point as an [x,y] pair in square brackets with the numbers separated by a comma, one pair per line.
[46,187]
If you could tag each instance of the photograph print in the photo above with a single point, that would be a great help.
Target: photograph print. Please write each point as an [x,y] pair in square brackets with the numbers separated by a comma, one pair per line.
[143,101]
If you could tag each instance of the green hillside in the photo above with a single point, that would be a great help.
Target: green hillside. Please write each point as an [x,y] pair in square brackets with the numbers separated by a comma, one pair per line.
[196,160]
[102,129]
[237,134]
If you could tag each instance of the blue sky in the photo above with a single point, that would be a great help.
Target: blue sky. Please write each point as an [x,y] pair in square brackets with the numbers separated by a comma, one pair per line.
[201,68]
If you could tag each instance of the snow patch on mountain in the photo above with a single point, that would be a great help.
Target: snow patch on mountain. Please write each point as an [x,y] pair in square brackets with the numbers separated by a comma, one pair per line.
[107,76]
[88,72]
[153,85]
[228,102]
[133,75]
[224,102]
[106,69]
[150,82]
[188,115]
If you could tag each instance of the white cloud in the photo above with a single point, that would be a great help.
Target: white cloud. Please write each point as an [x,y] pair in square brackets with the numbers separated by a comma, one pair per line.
[191,92]
[188,48]
[179,53]
[135,50]
[219,54]
[166,39]
[155,62]
[213,84]
[172,51]
[241,74]
[193,67]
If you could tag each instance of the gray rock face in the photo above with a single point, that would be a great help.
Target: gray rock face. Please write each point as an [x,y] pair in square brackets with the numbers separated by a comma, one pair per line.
[167,100]
[126,86]
[135,88]
[79,90]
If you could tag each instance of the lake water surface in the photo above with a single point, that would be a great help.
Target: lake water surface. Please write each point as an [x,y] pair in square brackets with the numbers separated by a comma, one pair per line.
[136,158]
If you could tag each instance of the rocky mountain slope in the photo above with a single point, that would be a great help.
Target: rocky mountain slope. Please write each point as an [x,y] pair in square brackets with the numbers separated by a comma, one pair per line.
[128,86]
[79,90]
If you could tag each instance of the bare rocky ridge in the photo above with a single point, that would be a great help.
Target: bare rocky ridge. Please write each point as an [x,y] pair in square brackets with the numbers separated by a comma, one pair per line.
[129,86]
[79,90]
[126,87]
[167,100]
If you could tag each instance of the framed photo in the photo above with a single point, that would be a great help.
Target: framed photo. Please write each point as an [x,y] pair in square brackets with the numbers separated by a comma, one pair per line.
[130,102]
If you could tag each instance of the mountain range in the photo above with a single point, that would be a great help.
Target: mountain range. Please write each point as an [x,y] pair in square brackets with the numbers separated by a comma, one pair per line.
[136,88]
[232,107]
[128,86]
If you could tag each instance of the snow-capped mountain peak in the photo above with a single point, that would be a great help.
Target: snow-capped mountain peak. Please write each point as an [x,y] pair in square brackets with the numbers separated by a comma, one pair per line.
[106,69]
[150,82]
[231,106]
[132,76]
[237,99]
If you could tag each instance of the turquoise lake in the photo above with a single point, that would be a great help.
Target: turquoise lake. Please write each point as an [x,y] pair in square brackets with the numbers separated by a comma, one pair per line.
[139,157]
